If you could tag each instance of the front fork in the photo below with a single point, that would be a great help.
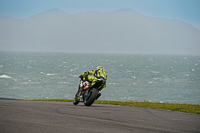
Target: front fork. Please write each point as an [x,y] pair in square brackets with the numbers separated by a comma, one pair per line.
[81,95]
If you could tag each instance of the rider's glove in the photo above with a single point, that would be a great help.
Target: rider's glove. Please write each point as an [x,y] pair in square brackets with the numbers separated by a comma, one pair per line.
[81,77]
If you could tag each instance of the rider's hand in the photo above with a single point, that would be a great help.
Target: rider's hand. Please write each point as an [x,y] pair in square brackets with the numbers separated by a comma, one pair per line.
[81,77]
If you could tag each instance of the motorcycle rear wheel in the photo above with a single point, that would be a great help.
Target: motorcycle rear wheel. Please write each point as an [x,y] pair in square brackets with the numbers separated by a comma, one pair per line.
[90,100]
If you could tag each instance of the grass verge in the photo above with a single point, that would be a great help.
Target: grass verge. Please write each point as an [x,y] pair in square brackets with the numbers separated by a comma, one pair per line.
[188,108]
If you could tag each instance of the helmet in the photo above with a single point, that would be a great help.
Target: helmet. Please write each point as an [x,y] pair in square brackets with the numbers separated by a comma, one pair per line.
[99,67]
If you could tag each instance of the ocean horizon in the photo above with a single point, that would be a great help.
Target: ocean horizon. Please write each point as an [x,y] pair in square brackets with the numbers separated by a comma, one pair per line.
[131,77]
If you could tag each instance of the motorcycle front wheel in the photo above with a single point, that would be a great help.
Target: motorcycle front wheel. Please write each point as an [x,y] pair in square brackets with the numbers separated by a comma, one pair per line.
[75,102]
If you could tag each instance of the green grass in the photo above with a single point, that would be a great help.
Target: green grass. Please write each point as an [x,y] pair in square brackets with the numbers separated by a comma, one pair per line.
[188,108]
[52,100]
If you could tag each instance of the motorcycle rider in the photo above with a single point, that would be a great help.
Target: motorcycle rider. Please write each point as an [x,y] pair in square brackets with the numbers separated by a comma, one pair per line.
[99,76]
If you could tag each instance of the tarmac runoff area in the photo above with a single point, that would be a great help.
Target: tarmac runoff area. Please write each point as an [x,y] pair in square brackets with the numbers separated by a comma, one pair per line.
[18,116]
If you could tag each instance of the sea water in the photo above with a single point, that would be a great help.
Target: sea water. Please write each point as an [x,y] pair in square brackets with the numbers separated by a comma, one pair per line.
[131,77]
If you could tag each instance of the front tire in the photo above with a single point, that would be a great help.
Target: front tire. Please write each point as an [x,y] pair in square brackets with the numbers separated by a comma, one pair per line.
[90,100]
[75,102]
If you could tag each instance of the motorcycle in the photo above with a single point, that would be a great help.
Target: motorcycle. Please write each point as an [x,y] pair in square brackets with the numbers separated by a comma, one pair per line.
[88,94]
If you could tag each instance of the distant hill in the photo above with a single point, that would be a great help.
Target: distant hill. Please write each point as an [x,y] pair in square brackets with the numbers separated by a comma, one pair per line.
[123,30]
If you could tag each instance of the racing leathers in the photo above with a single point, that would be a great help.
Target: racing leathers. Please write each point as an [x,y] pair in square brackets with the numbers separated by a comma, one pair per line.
[99,76]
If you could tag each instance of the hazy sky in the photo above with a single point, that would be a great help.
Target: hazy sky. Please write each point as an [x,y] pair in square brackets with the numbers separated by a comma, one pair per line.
[184,10]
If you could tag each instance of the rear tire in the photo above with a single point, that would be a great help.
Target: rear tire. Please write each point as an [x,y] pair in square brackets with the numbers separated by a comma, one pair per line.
[92,98]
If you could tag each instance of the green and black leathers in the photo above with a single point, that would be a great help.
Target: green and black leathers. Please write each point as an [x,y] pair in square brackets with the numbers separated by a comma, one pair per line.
[99,75]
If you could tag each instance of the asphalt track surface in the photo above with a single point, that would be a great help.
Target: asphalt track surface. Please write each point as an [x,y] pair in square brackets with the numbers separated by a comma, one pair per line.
[18,116]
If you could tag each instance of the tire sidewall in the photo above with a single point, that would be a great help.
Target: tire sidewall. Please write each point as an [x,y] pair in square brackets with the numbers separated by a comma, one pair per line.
[75,102]
[92,98]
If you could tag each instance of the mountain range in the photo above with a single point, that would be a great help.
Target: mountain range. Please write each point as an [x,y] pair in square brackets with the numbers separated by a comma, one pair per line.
[123,31]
